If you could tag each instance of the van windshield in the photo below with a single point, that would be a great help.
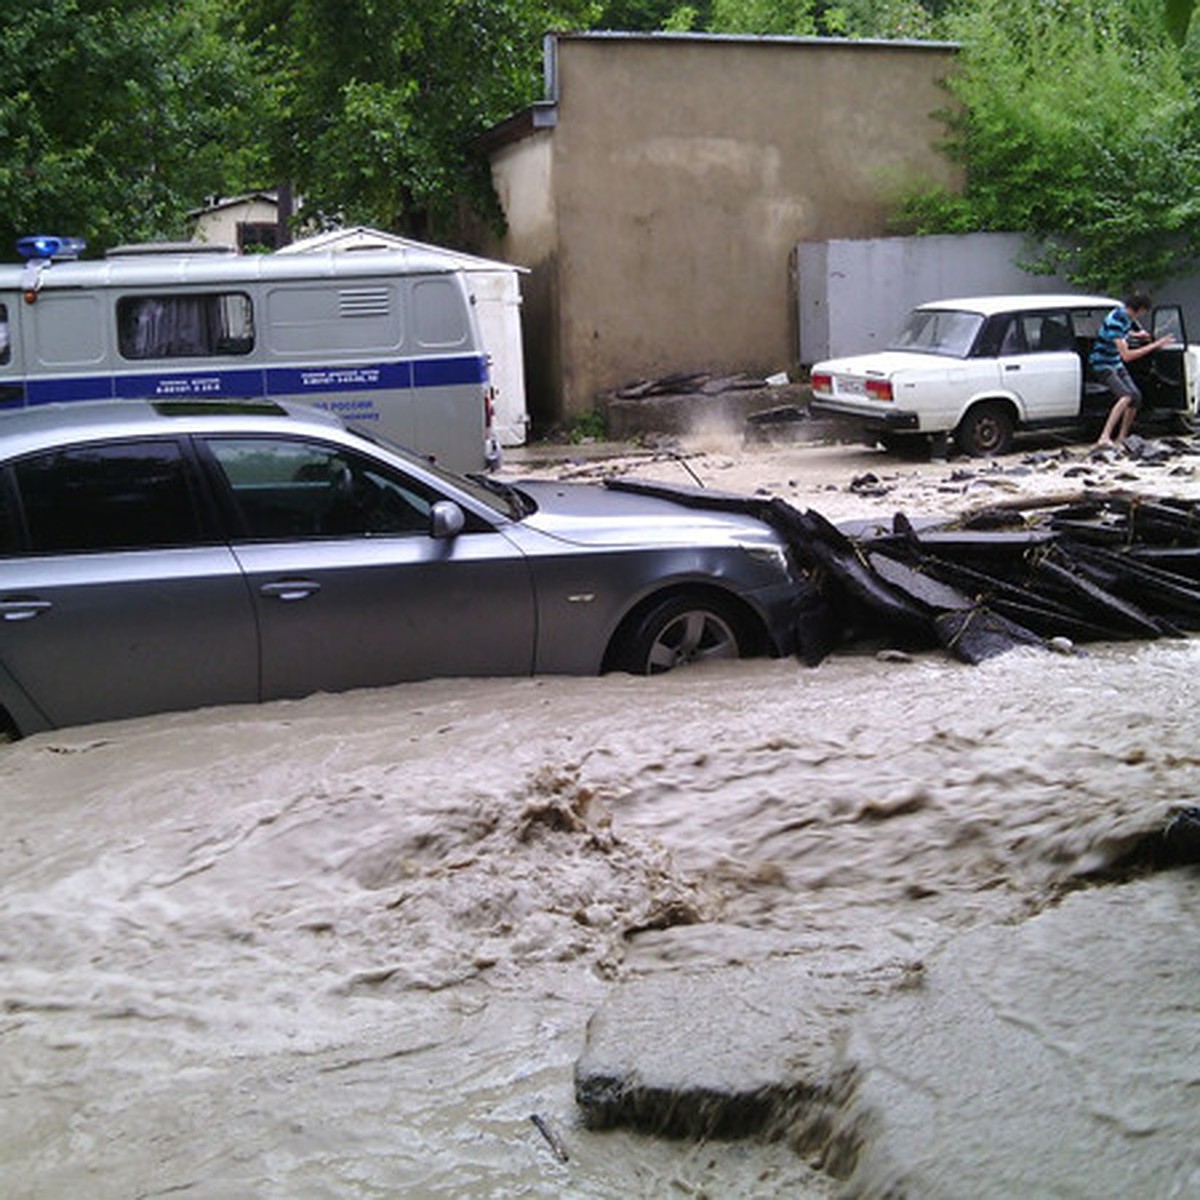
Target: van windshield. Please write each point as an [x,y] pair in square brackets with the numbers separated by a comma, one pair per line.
[946,331]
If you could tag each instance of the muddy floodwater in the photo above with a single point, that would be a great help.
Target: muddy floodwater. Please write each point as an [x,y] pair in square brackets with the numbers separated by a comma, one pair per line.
[350,946]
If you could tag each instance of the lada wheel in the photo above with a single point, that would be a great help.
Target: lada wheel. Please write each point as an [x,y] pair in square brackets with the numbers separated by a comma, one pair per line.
[986,430]
[678,631]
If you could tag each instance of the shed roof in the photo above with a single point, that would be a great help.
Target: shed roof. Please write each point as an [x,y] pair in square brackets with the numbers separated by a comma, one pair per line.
[357,238]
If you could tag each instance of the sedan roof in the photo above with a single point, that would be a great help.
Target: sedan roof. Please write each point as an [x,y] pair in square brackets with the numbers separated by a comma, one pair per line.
[1037,302]
[45,425]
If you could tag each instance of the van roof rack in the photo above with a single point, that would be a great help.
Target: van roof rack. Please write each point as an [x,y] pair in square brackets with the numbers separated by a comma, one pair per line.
[139,249]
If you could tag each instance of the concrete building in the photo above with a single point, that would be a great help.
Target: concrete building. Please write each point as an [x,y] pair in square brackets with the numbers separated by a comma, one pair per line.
[250,222]
[658,193]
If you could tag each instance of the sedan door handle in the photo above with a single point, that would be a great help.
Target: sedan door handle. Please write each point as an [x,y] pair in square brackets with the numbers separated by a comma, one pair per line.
[16,609]
[291,589]
[1012,366]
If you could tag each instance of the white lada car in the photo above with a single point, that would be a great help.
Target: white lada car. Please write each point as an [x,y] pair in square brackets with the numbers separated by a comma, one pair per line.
[979,369]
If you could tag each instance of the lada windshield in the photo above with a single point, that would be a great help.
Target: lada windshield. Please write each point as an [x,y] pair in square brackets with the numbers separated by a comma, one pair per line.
[944,331]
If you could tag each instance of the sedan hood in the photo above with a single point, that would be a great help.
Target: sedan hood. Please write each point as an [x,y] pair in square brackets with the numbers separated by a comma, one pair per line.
[585,514]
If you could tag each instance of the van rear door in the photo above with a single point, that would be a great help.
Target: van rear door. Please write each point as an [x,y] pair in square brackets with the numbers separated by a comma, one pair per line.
[12,390]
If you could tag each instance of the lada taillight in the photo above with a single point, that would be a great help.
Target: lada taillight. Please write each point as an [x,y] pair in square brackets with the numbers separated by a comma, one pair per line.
[822,382]
[879,389]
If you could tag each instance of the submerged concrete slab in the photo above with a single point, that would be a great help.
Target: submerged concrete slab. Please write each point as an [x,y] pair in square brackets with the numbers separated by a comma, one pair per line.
[740,1050]
[1058,1057]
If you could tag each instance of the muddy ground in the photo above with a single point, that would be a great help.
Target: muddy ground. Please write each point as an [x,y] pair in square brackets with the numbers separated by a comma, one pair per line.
[369,945]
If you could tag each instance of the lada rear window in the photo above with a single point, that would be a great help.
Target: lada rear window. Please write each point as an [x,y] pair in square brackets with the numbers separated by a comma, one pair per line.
[204,325]
[949,332]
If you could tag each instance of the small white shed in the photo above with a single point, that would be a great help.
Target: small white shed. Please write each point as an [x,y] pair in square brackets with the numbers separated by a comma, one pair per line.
[496,288]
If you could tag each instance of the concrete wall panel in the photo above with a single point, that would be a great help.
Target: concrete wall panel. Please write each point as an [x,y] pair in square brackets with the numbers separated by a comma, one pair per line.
[852,295]
[686,169]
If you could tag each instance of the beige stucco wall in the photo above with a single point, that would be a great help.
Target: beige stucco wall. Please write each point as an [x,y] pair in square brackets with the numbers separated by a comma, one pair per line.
[523,174]
[681,173]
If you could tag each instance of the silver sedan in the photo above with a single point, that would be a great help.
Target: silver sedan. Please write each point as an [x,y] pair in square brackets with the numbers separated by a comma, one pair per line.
[169,556]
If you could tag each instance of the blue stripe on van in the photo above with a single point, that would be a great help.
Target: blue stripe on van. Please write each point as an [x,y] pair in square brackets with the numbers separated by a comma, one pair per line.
[249,383]
[191,385]
[74,387]
[445,372]
[370,377]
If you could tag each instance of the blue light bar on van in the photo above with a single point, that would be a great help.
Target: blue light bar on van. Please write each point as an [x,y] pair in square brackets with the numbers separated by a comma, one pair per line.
[42,247]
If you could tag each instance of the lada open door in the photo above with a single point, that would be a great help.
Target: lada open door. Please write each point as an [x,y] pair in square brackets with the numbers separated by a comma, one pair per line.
[1168,378]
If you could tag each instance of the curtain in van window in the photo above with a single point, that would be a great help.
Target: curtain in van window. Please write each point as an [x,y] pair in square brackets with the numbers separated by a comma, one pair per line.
[4,350]
[184,326]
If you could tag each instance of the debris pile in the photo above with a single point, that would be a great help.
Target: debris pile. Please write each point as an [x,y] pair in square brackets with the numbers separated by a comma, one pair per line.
[1091,567]
[683,383]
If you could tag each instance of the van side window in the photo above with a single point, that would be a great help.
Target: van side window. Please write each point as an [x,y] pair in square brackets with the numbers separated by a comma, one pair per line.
[5,353]
[188,326]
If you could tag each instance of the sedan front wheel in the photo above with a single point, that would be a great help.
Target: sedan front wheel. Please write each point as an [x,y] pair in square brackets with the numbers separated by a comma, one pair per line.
[681,630]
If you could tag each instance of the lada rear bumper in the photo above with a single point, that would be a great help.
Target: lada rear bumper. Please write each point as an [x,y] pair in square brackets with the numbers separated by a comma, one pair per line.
[872,419]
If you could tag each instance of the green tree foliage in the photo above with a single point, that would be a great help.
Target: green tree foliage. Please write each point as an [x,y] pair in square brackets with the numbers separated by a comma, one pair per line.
[1075,119]
[778,18]
[818,18]
[377,101]
[649,16]
[1078,127]
[1178,15]
[116,117]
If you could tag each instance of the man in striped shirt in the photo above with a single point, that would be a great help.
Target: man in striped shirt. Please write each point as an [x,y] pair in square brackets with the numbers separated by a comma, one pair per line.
[1119,341]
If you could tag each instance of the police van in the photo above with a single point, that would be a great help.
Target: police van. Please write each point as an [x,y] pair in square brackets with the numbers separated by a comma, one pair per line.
[387,341]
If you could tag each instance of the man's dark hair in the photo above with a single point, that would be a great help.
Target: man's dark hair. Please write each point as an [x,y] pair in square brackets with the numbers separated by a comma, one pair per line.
[1139,302]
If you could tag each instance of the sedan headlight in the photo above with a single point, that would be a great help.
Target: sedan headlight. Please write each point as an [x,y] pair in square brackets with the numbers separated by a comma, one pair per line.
[773,557]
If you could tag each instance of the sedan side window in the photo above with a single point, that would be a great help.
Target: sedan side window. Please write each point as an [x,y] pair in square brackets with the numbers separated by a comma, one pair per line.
[10,520]
[1049,332]
[1166,321]
[286,489]
[116,496]
[1013,341]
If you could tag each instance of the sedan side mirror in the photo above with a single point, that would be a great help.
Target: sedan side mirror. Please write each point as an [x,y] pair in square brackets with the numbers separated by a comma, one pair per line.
[446,519]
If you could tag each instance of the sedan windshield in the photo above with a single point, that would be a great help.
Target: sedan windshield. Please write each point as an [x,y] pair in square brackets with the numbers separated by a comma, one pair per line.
[949,332]
[501,498]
